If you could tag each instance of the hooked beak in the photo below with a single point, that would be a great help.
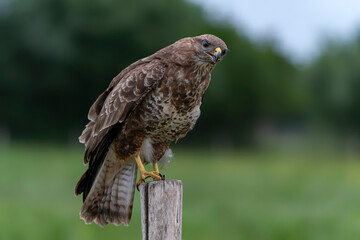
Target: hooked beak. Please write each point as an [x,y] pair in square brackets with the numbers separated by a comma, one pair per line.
[215,56]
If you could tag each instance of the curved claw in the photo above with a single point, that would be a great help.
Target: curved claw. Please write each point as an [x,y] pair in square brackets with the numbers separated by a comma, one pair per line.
[139,182]
[137,186]
[162,176]
[156,176]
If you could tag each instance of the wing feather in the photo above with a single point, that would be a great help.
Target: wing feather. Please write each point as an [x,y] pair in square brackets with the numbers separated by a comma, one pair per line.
[119,99]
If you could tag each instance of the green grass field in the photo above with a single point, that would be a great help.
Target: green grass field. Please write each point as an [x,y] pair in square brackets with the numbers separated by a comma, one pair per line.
[227,195]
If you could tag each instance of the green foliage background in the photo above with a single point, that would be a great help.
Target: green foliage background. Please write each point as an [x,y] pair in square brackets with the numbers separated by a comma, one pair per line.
[57,56]
[227,195]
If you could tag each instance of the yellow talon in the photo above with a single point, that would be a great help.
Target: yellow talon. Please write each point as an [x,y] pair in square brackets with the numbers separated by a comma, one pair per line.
[155,175]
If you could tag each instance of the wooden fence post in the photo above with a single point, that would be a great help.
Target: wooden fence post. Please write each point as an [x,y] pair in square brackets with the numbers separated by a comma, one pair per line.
[161,210]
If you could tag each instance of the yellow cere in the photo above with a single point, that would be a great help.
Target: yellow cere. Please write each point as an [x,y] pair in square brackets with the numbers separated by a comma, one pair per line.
[217,50]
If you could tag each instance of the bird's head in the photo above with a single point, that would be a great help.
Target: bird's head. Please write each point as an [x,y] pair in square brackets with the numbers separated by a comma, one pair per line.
[209,48]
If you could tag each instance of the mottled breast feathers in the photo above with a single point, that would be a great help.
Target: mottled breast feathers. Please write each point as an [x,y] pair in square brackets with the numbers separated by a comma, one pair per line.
[146,107]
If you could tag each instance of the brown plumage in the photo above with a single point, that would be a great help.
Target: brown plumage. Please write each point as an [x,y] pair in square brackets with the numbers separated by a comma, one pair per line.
[151,103]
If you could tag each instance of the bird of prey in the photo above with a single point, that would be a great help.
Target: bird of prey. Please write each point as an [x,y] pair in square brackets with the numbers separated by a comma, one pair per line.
[148,105]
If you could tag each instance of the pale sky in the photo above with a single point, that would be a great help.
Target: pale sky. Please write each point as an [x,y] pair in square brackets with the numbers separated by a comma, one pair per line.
[299,26]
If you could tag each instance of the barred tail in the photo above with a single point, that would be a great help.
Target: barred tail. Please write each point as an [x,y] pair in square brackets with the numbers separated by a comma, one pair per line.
[114,203]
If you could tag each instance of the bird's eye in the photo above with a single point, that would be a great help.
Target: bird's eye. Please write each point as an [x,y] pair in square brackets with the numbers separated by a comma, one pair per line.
[205,43]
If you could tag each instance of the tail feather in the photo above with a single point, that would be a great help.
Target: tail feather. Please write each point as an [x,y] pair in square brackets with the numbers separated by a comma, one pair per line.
[113,202]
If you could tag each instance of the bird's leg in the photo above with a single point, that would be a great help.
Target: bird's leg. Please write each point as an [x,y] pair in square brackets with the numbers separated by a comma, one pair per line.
[145,174]
[156,170]
[155,167]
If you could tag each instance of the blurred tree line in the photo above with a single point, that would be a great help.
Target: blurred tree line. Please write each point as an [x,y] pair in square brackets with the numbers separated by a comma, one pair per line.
[57,56]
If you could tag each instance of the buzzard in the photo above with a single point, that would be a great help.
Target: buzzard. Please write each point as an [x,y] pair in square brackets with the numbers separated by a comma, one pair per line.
[150,104]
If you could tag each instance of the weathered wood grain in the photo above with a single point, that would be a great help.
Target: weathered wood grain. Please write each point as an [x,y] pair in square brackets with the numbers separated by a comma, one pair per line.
[161,210]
